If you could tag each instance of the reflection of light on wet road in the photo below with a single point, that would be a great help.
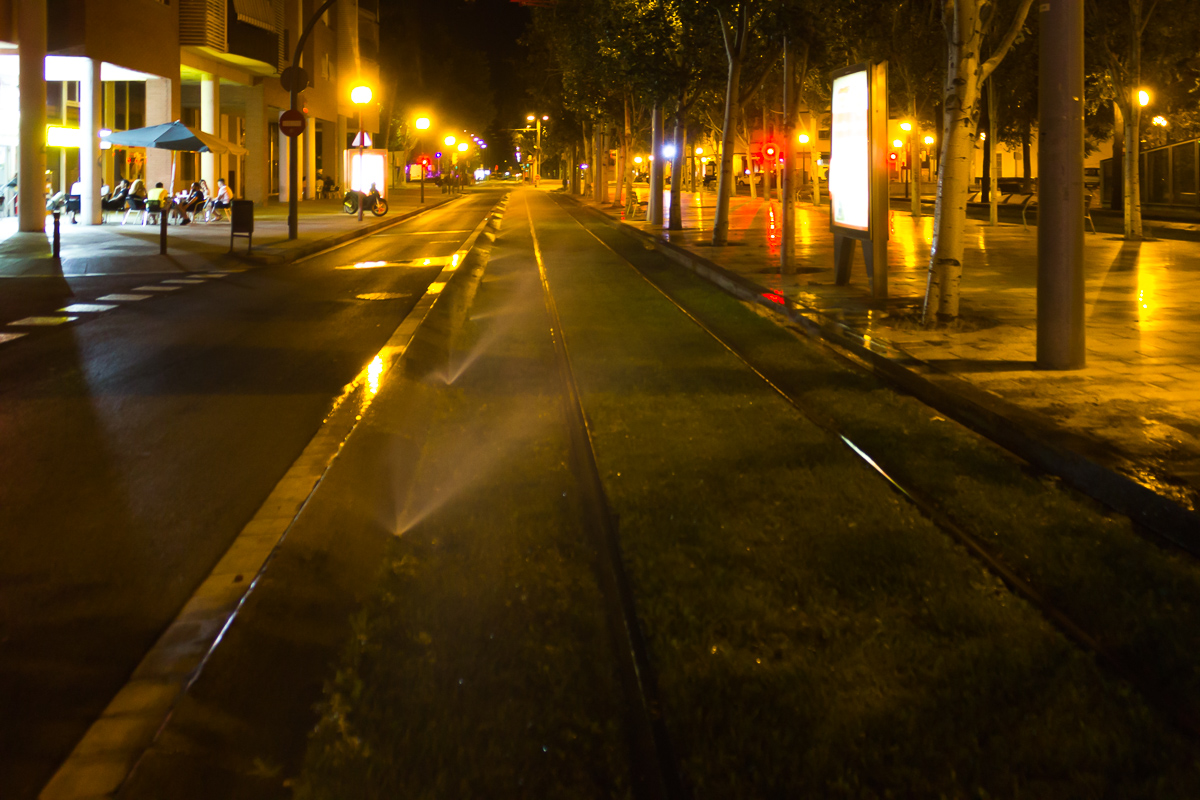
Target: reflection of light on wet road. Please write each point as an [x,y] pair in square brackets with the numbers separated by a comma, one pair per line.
[374,373]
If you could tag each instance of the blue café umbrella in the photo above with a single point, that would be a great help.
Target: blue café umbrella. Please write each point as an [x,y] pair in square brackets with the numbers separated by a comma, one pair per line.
[175,136]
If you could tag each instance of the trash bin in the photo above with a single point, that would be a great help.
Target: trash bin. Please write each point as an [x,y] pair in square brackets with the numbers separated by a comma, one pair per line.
[241,215]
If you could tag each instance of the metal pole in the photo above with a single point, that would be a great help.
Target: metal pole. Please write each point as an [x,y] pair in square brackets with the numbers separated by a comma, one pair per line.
[655,206]
[1060,309]
[360,163]
[422,184]
[57,237]
[31,179]
[538,172]
[294,144]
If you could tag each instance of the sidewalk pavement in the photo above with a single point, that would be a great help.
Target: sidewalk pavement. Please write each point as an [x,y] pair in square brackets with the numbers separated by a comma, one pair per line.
[1134,408]
[113,248]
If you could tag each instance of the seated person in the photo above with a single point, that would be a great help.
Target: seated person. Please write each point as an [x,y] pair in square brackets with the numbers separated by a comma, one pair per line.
[74,198]
[222,199]
[156,199]
[192,202]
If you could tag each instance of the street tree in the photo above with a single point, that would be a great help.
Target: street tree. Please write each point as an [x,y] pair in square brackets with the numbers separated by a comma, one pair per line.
[749,56]
[967,24]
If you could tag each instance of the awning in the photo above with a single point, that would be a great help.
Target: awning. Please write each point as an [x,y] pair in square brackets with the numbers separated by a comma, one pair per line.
[258,13]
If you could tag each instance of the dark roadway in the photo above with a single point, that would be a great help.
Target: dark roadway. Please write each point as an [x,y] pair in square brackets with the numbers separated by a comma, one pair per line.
[135,445]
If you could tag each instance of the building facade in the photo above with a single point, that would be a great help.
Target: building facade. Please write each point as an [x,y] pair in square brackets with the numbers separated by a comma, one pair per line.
[111,65]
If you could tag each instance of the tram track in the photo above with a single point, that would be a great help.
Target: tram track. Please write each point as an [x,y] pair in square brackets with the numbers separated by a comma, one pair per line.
[1180,715]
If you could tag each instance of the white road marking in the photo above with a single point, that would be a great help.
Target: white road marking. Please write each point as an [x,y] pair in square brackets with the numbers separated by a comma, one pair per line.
[43,320]
[157,288]
[86,308]
[123,298]
[191,281]
[8,337]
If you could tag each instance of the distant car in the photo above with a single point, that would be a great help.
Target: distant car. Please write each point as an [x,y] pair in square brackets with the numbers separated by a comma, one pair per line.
[1091,177]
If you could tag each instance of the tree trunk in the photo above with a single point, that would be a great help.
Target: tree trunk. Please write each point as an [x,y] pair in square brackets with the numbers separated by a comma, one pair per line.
[675,221]
[994,156]
[960,123]
[622,159]
[787,253]
[1132,193]
[753,167]
[734,50]
[1117,196]
[627,172]
[1027,160]
[914,152]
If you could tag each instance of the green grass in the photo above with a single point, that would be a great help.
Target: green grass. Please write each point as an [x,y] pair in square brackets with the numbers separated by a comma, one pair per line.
[482,666]
[814,636]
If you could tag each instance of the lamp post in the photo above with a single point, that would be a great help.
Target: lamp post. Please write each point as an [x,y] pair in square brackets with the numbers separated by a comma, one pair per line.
[537,169]
[294,144]
[360,96]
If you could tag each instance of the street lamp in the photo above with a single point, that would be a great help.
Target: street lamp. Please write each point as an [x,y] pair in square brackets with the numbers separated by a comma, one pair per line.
[360,96]
[422,124]
[1143,97]
[537,171]
[451,141]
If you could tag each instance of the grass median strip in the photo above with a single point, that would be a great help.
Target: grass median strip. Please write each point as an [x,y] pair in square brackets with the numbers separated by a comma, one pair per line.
[481,668]
[814,635]
[1142,601]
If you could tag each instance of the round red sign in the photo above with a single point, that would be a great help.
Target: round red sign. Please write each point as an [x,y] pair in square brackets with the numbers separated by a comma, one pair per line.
[291,122]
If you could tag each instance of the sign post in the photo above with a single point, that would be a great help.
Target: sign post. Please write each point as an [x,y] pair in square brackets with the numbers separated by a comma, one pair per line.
[858,172]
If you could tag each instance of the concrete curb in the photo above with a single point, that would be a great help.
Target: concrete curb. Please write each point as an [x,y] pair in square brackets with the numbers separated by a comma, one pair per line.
[312,248]
[1016,431]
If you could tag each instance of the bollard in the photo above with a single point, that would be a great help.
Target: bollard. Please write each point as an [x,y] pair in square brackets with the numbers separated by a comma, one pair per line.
[162,230]
[57,237]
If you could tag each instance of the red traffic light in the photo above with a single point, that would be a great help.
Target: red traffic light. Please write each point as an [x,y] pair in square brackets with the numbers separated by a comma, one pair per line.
[892,156]
[770,151]
[425,161]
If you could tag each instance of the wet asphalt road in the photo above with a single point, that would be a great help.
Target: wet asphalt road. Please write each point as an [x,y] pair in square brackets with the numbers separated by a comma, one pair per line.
[135,445]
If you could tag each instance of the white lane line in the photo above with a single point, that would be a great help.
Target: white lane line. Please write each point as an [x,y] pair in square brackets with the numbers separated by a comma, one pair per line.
[123,298]
[8,337]
[104,757]
[157,288]
[217,274]
[43,320]
[86,308]
[189,281]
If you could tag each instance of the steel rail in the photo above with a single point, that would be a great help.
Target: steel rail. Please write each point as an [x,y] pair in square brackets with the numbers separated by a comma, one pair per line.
[654,766]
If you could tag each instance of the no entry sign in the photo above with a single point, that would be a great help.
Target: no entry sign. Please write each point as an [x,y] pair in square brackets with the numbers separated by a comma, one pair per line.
[291,122]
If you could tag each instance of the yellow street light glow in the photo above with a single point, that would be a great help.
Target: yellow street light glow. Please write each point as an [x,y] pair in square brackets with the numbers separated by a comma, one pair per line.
[531,118]
[462,147]
[804,138]
[928,140]
[637,160]
[982,136]
[450,141]
[906,126]
[423,123]
[545,119]
[360,95]
[897,143]
[1160,121]
[699,151]
[1143,97]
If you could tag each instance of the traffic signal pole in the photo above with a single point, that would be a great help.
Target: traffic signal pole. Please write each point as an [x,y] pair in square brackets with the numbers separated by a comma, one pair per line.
[294,142]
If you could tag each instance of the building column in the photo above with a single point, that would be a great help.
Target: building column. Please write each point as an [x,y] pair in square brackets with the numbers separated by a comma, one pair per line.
[256,144]
[89,149]
[284,158]
[310,158]
[340,153]
[210,112]
[110,122]
[159,110]
[31,185]
[329,154]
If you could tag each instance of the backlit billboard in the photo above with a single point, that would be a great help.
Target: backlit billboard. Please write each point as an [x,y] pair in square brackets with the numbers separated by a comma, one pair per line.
[850,153]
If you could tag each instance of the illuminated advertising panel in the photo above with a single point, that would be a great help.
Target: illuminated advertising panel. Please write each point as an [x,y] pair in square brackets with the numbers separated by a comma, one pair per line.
[372,170]
[850,157]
